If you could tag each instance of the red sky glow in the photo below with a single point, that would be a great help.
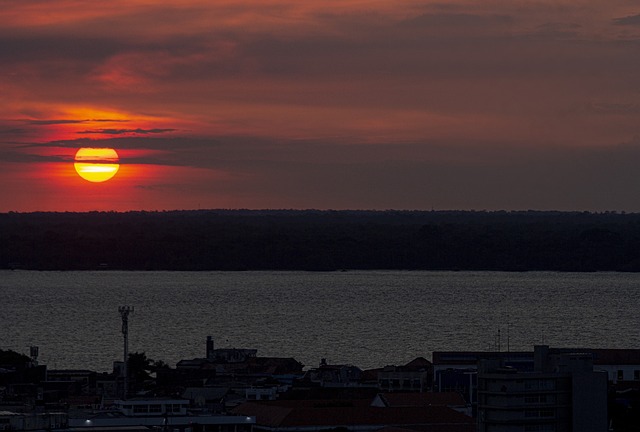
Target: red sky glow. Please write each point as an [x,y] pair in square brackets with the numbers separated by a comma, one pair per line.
[340,104]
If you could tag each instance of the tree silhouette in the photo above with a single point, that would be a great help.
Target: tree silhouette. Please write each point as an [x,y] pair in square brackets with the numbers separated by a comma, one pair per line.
[138,369]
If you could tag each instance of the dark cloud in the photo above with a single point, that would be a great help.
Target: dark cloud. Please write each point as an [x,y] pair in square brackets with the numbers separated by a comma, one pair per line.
[109,120]
[434,46]
[614,108]
[460,44]
[632,20]
[68,121]
[378,47]
[26,158]
[127,143]
[555,31]
[558,27]
[53,122]
[58,47]
[14,131]
[73,55]
[126,131]
[176,151]
[449,20]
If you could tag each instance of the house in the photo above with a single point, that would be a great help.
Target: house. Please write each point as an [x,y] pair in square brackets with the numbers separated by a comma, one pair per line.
[108,385]
[227,355]
[414,376]
[209,399]
[231,365]
[86,378]
[328,375]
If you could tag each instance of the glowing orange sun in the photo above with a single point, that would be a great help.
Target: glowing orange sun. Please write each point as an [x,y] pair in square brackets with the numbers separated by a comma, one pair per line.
[96,164]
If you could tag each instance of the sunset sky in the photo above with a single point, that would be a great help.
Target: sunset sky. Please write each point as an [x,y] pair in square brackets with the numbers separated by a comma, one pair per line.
[333,104]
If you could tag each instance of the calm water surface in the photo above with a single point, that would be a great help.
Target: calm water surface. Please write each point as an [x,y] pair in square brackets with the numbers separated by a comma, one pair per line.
[369,319]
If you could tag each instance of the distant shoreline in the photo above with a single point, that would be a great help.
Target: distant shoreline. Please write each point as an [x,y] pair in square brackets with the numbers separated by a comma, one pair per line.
[322,240]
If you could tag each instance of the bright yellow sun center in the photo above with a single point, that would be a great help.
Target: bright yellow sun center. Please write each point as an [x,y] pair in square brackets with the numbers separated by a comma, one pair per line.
[96,164]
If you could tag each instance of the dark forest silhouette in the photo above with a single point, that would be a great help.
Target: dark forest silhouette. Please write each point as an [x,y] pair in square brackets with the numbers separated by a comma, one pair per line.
[321,240]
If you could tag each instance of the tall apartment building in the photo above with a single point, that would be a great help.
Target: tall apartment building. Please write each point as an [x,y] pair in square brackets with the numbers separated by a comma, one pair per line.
[561,394]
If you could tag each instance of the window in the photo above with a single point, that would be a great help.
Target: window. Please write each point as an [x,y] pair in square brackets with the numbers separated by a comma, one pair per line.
[636,375]
[540,428]
[540,384]
[620,374]
[138,409]
[539,413]
[535,399]
[155,408]
[547,384]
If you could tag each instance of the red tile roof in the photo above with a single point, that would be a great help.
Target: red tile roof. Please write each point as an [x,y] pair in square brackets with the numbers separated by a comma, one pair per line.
[271,414]
[419,362]
[394,429]
[331,393]
[319,403]
[422,399]
[370,374]
[432,428]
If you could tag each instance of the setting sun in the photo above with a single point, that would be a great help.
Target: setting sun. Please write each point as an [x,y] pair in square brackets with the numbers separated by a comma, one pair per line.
[96,164]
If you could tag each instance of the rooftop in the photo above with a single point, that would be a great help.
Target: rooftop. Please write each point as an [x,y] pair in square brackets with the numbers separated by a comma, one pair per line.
[422,399]
[274,414]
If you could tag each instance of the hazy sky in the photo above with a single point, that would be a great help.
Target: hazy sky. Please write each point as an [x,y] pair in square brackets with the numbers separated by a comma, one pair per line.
[357,104]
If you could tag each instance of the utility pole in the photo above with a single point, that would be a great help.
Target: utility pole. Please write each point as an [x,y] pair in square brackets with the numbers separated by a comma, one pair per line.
[124,313]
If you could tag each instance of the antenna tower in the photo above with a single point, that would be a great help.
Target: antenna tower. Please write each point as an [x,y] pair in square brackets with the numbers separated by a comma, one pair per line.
[124,313]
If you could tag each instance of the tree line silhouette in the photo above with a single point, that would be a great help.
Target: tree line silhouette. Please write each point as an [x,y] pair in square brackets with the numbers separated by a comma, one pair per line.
[321,240]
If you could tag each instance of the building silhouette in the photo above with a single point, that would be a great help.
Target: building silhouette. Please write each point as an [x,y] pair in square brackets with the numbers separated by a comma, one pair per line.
[562,393]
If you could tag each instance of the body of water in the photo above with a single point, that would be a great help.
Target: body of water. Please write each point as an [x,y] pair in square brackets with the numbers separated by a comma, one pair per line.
[366,318]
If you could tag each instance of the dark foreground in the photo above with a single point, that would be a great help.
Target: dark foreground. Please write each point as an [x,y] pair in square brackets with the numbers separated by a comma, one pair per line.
[321,240]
